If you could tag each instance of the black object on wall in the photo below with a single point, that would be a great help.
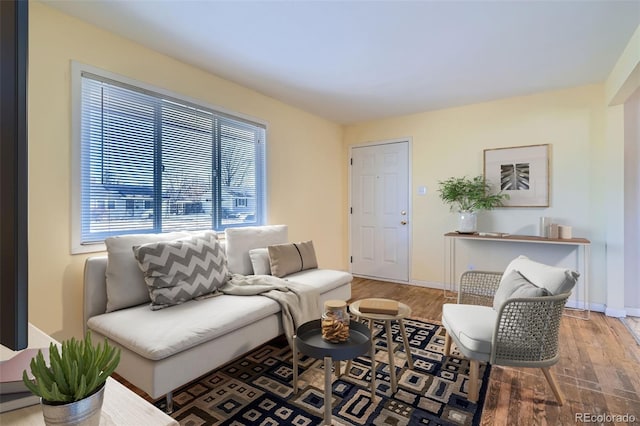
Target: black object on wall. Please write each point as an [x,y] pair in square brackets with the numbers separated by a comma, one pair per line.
[14,35]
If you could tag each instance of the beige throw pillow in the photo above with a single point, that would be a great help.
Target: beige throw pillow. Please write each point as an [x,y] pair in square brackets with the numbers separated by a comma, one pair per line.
[288,258]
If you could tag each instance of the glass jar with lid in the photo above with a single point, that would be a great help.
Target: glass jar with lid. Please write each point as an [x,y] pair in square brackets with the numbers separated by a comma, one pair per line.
[335,321]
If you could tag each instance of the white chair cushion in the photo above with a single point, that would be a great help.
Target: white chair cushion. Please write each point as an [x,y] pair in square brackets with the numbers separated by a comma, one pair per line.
[471,327]
[239,241]
[556,280]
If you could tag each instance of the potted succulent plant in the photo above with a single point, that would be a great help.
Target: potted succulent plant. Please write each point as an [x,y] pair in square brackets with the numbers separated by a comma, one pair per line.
[467,196]
[71,387]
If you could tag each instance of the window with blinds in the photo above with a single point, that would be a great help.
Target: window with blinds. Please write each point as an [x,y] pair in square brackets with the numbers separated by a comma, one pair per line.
[154,163]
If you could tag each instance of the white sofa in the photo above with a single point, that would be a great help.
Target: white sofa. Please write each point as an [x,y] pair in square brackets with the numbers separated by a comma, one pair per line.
[164,349]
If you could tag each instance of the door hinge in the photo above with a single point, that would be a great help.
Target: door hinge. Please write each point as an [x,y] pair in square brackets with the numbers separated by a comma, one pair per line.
[351,210]
[351,161]
[351,259]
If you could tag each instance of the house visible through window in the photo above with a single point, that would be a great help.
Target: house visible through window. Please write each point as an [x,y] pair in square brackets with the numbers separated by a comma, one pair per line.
[155,163]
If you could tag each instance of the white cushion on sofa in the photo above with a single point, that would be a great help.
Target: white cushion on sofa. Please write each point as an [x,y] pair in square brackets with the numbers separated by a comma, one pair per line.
[160,334]
[125,281]
[260,261]
[240,240]
[322,280]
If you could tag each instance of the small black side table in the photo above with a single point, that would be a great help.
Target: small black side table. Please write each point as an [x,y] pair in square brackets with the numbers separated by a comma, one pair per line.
[308,340]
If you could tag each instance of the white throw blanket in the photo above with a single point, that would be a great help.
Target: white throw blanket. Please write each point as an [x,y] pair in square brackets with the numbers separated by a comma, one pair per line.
[299,302]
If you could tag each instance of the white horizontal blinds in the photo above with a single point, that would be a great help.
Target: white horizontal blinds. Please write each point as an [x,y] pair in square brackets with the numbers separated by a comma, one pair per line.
[151,163]
[187,159]
[240,178]
[118,134]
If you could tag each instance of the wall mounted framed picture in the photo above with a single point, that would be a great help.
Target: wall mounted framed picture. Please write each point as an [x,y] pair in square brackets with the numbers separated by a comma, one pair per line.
[522,172]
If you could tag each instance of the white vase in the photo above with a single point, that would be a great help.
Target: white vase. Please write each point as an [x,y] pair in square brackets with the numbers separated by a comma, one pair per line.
[467,222]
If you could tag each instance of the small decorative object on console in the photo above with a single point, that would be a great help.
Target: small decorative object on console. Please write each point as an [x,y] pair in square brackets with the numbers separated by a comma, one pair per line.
[335,321]
[493,234]
[564,232]
[379,306]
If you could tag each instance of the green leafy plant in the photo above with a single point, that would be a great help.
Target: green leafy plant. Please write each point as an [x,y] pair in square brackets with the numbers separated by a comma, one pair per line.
[75,373]
[469,194]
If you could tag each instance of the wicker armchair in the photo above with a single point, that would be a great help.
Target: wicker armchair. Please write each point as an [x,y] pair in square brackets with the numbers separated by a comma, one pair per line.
[521,332]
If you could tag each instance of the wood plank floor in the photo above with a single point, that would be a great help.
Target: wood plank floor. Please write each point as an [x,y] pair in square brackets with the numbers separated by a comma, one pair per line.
[598,371]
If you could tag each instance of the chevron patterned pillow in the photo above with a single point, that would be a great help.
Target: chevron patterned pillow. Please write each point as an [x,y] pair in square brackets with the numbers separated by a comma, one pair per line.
[180,270]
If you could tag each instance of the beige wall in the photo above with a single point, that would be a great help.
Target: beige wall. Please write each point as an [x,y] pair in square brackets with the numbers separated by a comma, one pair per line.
[450,142]
[305,177]
[307,172]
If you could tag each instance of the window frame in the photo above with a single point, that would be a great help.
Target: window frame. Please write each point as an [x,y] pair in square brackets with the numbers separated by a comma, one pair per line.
[77,68]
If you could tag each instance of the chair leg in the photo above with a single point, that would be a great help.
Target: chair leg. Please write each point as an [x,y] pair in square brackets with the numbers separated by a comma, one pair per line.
[447,344]
[554,385]
[474,369]
[169,401]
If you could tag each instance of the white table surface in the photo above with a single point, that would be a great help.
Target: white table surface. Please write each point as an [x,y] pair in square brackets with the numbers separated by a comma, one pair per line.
[121,406]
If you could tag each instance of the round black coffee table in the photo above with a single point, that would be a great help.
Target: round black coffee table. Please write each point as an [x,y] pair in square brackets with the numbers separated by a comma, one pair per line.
[308,340]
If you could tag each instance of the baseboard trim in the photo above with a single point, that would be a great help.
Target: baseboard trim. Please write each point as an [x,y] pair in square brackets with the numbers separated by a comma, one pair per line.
[418,283]
[616,313]
[427,284]
[633,312]
[386,280]
[580,305]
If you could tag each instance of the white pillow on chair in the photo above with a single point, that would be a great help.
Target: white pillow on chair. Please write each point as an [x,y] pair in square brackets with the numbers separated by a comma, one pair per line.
[556,280]
[513,285]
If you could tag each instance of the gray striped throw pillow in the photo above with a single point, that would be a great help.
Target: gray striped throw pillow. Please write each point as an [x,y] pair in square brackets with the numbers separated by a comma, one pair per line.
[180,270]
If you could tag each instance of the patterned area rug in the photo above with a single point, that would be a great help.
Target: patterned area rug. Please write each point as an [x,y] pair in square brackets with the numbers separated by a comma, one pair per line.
[257,390]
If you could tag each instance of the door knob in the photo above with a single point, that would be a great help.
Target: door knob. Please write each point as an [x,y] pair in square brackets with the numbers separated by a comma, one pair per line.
[403,222]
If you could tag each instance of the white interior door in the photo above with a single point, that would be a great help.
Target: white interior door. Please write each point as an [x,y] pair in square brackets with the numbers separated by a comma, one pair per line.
[379,229]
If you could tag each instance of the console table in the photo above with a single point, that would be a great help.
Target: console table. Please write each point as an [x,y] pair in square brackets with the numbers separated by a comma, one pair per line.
[581,244]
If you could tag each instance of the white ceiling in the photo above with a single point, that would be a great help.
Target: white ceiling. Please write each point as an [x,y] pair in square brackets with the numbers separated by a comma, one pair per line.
[352,61]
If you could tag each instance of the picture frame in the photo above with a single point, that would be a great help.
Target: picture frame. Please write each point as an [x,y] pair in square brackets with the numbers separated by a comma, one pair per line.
[522,172]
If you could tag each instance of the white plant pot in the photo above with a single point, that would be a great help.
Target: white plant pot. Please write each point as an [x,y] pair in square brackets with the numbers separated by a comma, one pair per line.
[467,222]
